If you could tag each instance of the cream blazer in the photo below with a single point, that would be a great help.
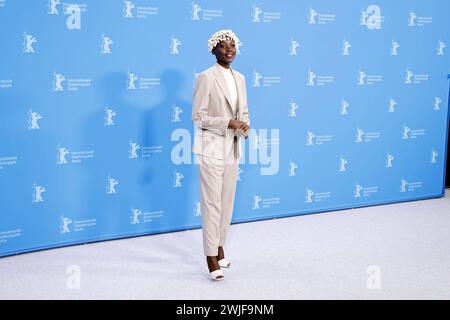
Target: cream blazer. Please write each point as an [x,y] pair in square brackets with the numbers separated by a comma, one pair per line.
[211,113]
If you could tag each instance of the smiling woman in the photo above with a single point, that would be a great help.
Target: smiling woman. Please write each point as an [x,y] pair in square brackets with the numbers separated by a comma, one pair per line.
[220,113]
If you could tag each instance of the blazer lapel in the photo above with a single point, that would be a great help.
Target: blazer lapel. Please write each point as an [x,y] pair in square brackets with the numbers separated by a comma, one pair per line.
[223,85]
[239,93]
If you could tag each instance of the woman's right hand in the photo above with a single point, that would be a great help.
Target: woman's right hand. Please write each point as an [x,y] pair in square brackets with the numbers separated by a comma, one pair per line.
[238,124]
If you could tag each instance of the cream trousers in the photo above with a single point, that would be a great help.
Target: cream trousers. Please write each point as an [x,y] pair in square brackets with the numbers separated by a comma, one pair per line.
[217,190]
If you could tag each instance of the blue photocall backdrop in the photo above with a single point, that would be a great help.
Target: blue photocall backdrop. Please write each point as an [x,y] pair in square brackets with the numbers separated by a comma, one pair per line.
[348,103]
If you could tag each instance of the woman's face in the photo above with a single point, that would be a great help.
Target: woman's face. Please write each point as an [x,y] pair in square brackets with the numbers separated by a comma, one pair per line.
[225,51]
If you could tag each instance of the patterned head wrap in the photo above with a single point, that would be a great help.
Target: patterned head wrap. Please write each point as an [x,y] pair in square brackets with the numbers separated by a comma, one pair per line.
[222,35]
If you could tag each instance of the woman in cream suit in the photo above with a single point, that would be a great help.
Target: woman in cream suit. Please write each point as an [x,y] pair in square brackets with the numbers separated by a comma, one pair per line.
[221,118]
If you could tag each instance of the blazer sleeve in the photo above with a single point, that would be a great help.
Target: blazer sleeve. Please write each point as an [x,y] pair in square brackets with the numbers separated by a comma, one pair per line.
[200,104]
[245,113]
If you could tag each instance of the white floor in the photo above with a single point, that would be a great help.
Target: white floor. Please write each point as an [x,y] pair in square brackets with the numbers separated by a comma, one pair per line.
[399,251]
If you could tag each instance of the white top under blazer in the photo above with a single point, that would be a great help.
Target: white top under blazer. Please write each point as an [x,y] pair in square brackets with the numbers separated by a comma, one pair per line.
[231,84]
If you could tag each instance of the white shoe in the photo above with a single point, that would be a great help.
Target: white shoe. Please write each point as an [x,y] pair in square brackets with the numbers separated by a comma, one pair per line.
[217,274]
[224,263]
